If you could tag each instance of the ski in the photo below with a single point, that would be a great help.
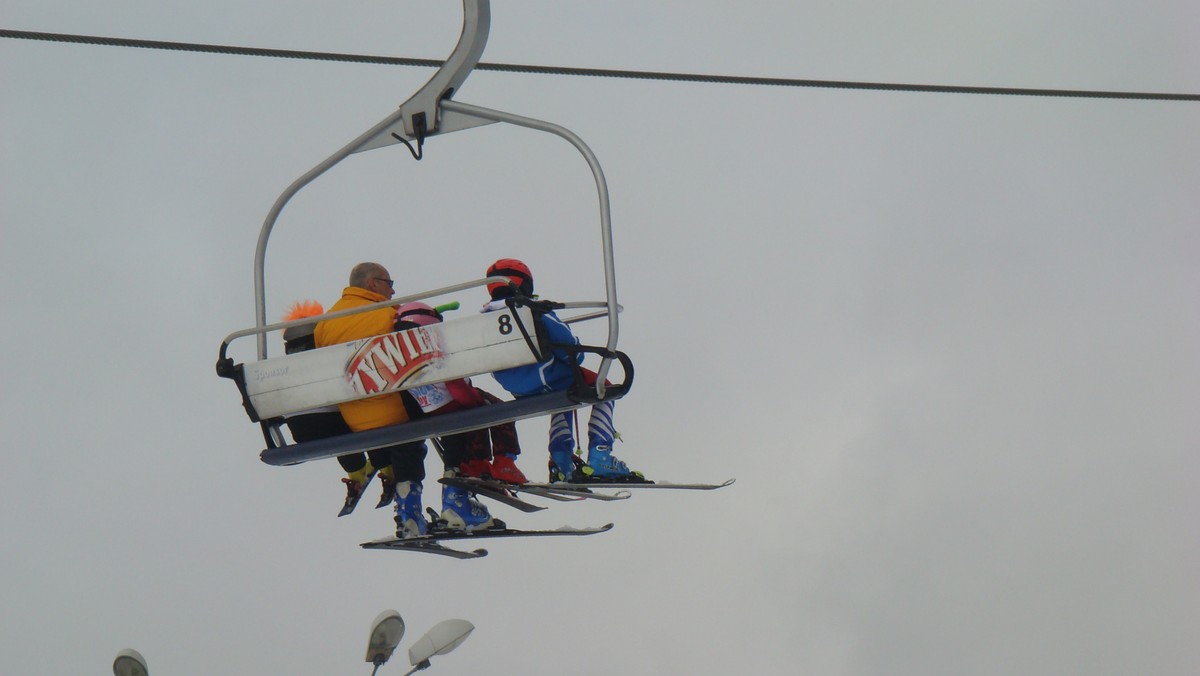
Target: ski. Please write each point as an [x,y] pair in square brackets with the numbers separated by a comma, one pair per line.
[495,490]
[568,492]
[600,483]
[388,495]
[426,547]
[563,492]
[353,500]
[431,543]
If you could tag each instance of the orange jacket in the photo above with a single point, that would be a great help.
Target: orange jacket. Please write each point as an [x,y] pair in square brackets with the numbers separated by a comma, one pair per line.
[373,412]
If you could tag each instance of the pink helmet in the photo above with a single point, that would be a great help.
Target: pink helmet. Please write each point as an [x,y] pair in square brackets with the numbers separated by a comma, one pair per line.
[415,314]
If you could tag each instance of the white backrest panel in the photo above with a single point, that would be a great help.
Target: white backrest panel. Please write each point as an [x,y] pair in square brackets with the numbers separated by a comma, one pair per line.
[392,362]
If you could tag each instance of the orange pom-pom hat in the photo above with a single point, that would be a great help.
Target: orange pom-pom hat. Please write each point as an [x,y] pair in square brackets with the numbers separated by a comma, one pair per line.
[303,308]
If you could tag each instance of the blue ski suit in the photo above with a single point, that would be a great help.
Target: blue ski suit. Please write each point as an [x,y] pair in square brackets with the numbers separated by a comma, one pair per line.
[557,373]
[551,375]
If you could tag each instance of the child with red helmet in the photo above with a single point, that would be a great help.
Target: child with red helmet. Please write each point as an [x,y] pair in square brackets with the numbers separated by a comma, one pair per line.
[555,373]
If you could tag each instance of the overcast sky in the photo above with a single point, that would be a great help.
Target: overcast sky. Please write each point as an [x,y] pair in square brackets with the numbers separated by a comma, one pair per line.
[947,344]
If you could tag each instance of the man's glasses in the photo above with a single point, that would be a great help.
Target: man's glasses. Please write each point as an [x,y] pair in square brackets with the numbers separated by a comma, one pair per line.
[385,280]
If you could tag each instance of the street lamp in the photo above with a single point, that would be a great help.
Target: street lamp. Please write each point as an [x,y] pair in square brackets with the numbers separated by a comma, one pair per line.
[386,632]
[444,637]
[130,662]
[388,629]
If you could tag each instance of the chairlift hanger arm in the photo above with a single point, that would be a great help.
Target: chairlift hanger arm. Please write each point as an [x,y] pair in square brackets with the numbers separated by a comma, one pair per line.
[431,111]
[421,112]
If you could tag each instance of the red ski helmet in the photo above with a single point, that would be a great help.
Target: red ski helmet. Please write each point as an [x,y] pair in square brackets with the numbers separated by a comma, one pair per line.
[518,274]
[411,315]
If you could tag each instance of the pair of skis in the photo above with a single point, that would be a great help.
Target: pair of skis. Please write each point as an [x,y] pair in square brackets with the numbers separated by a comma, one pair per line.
[509,494]
[431,543]
[566,492]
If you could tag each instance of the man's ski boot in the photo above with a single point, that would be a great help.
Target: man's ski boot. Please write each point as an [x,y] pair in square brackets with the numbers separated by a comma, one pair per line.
[603,466]
[461,512]
[410,519]
[504,468]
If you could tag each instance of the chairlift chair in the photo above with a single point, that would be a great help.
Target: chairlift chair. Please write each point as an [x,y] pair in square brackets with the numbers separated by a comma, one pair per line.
[276,388]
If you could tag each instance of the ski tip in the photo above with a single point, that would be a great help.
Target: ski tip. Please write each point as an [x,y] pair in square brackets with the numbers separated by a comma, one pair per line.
[591,530]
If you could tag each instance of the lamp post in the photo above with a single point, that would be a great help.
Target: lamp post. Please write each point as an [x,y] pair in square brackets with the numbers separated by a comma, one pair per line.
[388,629]
[130,662]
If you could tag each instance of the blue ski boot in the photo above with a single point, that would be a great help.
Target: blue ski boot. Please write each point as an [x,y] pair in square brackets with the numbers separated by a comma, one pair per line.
[602,466]
[461,512]
[410,518]
[562,467]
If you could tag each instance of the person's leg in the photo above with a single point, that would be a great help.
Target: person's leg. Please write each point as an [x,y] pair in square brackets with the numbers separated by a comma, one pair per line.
[562,446]
[408,470]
